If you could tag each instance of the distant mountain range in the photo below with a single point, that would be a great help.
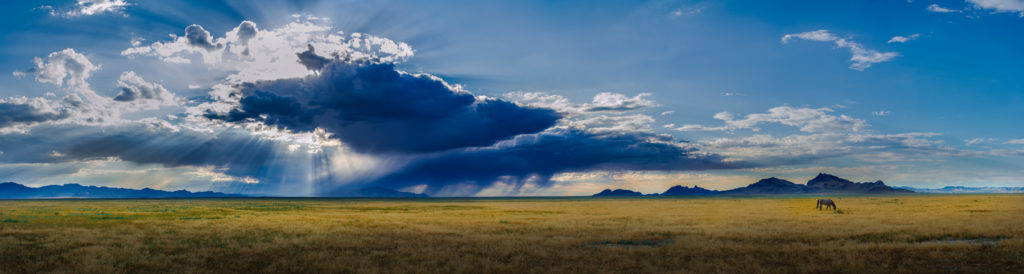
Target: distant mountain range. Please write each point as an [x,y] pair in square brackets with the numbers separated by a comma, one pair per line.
[17,191]
[822,184]
[963,189]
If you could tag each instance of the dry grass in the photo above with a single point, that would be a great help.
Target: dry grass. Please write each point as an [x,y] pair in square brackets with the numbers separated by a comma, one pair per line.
[968,233]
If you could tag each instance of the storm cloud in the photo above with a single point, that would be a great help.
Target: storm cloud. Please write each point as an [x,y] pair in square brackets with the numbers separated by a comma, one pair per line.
[139,144]
[375,108]
[540,156]
[199,37]
[311,60]
[14,114]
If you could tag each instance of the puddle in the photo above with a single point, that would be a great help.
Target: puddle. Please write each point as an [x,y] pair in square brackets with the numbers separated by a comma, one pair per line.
[631,243]
[978,241]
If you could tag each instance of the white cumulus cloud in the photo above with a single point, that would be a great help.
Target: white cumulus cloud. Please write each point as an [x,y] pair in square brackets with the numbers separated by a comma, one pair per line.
[62,67]
[602,102]
[270,53]
[940,9]
[904,39]
[1010,6]
[807,119]
[91,7]
[862,58]
[142,94]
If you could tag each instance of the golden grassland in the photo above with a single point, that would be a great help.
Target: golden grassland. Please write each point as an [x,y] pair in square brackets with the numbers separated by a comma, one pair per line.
[910,233]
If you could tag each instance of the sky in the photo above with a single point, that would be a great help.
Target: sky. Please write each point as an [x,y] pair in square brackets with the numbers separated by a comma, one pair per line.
[509,98]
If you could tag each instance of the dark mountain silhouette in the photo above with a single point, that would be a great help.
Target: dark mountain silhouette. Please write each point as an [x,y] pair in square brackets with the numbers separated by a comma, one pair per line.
[769,186]
[822,184]
[826,183]
[11,190]
[618,193]
[682,190]
[376,192]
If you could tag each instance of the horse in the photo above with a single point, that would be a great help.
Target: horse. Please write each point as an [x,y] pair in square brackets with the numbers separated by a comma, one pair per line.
[827,203]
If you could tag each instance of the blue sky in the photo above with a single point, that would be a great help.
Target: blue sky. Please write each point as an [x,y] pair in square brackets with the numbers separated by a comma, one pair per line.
[509,97]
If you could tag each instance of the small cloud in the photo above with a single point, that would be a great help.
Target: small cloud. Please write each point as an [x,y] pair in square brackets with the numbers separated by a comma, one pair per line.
[136,40]
[903,39]
[687,11]
[667,112]
[199,37]
[90,7]
[881,113]
[862,58]
[975,141]
[142,94]
[940,9]
[1015,141]
[194,86]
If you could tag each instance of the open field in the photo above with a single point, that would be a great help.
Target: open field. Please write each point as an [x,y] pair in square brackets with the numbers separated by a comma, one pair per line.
[913,233]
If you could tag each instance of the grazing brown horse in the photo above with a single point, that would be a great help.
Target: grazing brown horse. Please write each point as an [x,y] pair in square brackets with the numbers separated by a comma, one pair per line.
[827,203]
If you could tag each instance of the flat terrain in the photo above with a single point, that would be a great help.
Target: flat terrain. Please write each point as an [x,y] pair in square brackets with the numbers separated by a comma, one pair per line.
[912,233]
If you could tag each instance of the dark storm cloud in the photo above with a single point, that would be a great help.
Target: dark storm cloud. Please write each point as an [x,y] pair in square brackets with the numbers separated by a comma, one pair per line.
[13,114]
[241,153]
[311,60]
[377,109]
[544,155]
[199,37]
[271,109]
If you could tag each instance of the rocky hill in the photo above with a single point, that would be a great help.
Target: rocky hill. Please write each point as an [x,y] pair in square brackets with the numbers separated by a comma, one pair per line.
[618,193]
[682,190]
[769,186]
[826,183]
